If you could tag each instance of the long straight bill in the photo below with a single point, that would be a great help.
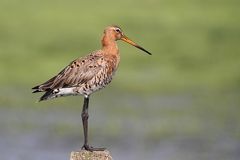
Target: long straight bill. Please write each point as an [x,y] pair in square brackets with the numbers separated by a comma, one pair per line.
[126,39]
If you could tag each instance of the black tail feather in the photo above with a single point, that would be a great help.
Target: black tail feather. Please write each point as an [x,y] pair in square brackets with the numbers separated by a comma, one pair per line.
[36,87]
[36,91]
[46,95]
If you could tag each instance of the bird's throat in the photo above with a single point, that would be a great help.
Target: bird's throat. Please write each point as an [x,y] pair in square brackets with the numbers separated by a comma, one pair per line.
[109,45]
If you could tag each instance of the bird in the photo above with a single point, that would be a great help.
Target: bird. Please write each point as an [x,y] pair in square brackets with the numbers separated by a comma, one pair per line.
[86,75]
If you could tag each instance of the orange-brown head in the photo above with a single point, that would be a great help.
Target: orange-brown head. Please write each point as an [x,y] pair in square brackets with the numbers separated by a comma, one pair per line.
[115,33]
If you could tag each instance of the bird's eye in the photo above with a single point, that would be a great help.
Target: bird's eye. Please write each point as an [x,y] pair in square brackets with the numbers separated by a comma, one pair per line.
[118,30]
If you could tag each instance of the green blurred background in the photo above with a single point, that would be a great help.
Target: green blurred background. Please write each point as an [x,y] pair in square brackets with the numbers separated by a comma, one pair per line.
[180,103]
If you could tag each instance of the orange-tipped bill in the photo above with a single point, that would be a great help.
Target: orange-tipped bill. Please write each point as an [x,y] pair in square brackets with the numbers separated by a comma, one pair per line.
[126,39]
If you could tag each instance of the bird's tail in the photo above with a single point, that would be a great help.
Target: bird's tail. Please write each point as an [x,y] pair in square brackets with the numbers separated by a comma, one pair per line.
[47,95]
[50,94]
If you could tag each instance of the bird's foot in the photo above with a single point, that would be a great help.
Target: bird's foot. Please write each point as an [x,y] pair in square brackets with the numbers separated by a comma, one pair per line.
[91,149]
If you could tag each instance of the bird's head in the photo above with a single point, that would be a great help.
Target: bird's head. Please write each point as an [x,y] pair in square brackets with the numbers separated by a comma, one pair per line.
[116,33]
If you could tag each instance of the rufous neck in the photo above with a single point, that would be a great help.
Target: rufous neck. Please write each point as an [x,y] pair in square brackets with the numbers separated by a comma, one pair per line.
[109,45]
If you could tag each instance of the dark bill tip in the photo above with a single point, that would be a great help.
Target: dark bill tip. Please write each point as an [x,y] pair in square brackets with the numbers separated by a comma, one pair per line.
[126,39]
[139,47]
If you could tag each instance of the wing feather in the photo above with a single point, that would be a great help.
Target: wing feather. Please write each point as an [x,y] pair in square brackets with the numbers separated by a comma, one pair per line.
[76,73]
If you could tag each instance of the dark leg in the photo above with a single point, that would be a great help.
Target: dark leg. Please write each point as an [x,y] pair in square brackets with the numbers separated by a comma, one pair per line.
[85,121]
[85,127]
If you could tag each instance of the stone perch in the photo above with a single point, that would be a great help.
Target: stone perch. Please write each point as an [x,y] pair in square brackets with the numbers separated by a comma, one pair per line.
[87,155]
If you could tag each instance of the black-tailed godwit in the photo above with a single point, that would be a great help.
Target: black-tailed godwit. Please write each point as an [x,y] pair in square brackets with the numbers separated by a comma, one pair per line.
[88,74]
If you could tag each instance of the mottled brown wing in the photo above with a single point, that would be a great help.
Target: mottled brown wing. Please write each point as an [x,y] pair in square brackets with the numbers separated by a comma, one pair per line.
[77,72]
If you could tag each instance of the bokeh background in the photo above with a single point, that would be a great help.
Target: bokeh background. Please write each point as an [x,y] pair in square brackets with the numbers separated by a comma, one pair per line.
[183,102]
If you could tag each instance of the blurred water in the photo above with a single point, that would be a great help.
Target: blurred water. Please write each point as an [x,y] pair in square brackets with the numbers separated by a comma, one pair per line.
[182,127]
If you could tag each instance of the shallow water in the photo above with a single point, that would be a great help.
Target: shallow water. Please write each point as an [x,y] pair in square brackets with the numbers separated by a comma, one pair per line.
[168,127]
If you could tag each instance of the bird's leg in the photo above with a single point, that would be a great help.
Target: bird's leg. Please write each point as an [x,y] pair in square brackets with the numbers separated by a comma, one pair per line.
[85,121]
[85,127]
